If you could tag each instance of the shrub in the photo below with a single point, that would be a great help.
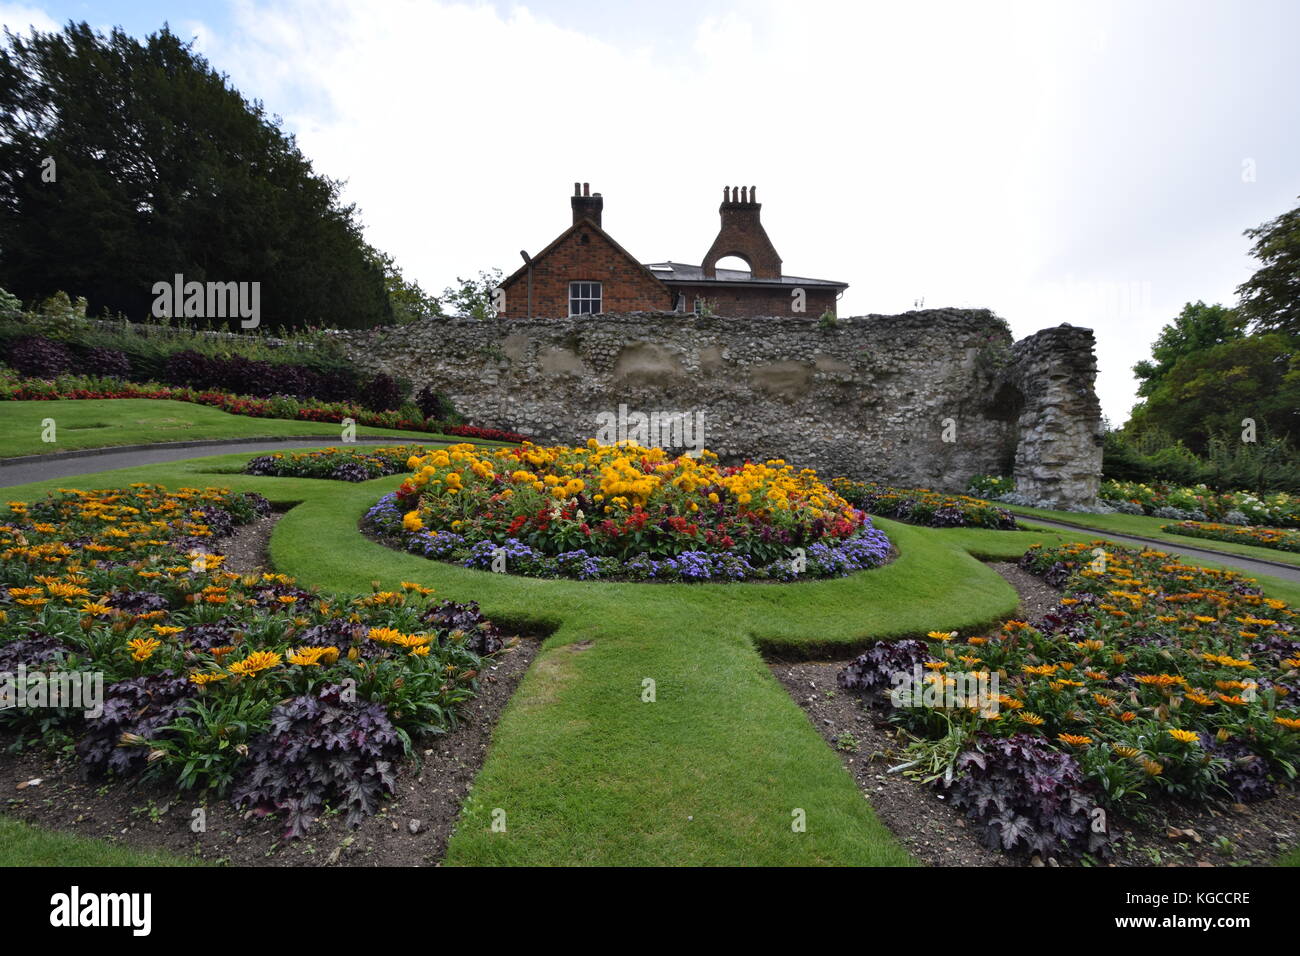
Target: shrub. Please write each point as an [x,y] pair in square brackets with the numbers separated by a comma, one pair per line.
[990,486]
[383,393]
[1025,796]
[321,748]
[106,362]
[135,711]
[876,668]
[433,404]
[40,357]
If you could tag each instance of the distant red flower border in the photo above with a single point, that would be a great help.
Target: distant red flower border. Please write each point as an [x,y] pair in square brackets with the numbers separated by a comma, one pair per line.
[335,412]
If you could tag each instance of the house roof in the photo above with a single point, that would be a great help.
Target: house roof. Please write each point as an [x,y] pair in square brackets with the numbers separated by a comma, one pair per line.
[586,224]
[671,273]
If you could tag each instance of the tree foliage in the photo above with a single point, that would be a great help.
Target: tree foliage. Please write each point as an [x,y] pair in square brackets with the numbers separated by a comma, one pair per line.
[1198,327]
[1209,392]
[1270,298]
[125,162]
[473,297]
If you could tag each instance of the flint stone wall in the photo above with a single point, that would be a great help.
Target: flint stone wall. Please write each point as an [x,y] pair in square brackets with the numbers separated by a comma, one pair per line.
[870,397]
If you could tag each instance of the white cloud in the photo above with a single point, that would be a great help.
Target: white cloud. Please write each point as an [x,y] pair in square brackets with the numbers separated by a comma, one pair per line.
[1042,160]
[18,18]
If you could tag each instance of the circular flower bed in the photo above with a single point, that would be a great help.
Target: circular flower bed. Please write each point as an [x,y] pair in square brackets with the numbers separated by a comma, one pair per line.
[624,512]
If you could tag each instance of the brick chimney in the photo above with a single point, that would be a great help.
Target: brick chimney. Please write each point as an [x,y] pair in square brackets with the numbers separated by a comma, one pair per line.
[742,235]
[585,205]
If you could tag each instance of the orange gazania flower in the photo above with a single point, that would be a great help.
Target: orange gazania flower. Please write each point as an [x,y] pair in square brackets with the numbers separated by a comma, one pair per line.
[1074,740]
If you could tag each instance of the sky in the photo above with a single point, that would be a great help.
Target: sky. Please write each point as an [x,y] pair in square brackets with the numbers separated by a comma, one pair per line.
[1092,163]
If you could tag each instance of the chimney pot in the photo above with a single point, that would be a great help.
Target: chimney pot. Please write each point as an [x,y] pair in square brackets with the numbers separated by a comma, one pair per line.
[585,205]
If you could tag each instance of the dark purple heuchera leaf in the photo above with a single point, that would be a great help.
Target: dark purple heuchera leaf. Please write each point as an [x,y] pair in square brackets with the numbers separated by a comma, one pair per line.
[33,651]
[39,357]
[1245,773]
[338,632]
[353,471]
[320,749]
[875,669]
[137,602]
[106,362]
[141,705]
[268,595]
[1026,797]
[263,465]
[204,637]
[482,636]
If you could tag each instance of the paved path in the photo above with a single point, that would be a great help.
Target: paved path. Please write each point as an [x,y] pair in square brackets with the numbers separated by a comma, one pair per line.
[1250,566]
[19,471]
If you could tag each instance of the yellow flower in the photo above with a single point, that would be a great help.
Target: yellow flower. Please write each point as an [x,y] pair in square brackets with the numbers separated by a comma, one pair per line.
[411,521]
[143,647]
[1074,740]
[255,663]
[308,656]
[202,679]
[1184,736]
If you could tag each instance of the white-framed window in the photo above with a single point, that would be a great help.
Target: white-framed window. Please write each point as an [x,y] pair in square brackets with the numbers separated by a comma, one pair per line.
[681,302]
[584,298]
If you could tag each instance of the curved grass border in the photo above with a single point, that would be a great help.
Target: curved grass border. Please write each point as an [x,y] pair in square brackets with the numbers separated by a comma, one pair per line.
[711,772]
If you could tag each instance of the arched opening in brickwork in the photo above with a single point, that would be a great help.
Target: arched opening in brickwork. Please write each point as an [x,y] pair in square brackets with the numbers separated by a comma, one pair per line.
[733,260]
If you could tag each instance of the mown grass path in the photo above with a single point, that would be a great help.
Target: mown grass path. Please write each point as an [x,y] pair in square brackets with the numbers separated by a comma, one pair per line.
[583,768]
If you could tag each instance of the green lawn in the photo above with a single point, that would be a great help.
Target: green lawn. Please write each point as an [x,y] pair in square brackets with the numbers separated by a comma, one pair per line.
[96,423]
[1149,527]
[23,845]
[583,770]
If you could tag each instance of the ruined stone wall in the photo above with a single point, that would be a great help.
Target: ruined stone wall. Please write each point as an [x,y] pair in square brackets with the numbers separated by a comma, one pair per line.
[926,398]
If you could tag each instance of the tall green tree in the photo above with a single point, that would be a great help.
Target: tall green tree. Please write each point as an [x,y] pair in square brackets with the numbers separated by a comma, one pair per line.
[1197,328]
[473,297]
[1209,392]
[1270,298]
[407,297]
[125,162]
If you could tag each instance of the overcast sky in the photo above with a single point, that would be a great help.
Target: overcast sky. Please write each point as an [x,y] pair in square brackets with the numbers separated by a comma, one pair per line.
[1092,163]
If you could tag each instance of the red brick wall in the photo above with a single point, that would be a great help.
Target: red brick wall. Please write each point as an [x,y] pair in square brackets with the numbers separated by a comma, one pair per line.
[625,287]
[761,301]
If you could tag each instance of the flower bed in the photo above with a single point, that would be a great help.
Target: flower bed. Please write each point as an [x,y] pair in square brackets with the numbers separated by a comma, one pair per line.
[1150,678]
[1278,538]
[335,464]
[14,388]
[625,512]
[924,507]
[1200,503]
[242,684]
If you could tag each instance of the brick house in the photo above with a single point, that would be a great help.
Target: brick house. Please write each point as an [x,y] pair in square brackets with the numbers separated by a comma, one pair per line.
[584,271]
